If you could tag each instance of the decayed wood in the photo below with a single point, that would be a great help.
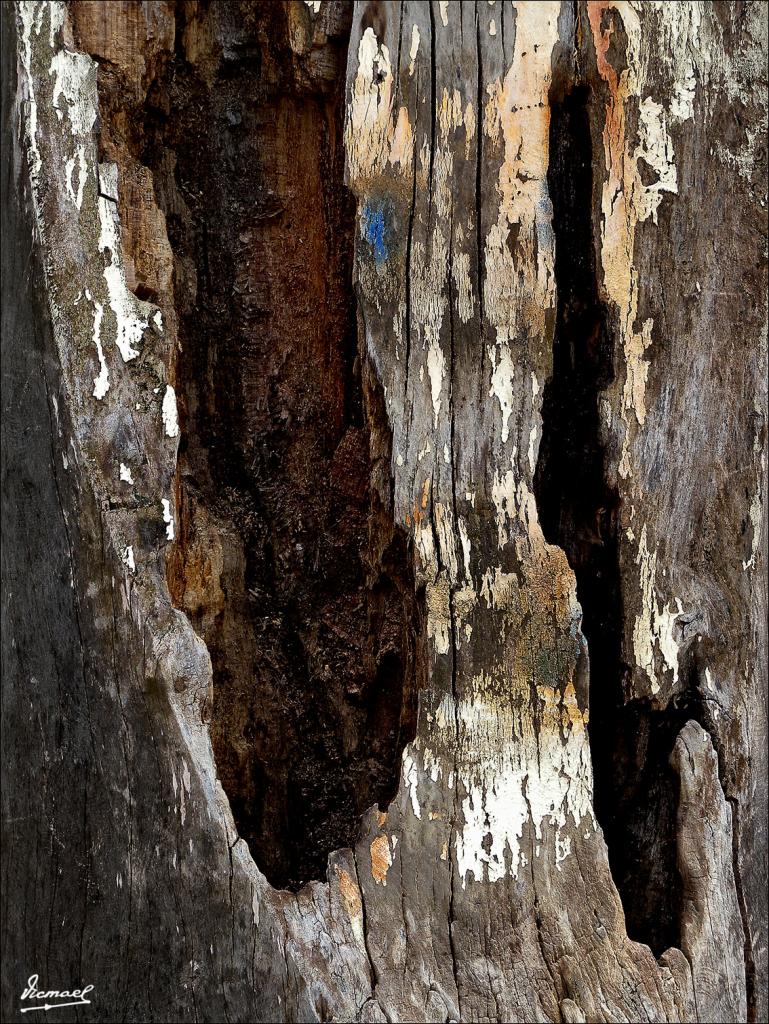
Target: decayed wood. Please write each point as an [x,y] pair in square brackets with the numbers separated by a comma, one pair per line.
[485,891]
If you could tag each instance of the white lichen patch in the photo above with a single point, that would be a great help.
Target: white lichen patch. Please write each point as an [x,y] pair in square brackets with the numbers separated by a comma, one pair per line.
[533,447]
[513,776]
[535,426]
[168,518]
[684,90]
[502,383]
[655,148]
[71,98]
[101,382]
[466,545]
[369,127]
[503,496]
[130,325]
[30,16]
[70,70]
[414,49]
[128,559]
[436,370]
[410,774]
[170,413]
[655,624]
[125,474]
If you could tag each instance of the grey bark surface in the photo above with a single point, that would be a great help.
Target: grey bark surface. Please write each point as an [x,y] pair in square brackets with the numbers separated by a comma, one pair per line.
[485,890]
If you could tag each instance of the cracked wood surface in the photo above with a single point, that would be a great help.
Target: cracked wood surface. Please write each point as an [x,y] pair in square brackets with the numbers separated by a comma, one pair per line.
[484,892]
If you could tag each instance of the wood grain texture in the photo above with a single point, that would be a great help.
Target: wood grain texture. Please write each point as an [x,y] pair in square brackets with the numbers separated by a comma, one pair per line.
[486,890]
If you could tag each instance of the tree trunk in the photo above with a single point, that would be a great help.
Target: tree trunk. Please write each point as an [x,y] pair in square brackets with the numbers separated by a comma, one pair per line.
[385,429]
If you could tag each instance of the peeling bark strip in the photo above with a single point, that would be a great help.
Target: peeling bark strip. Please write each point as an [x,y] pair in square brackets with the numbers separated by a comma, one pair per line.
[528,485]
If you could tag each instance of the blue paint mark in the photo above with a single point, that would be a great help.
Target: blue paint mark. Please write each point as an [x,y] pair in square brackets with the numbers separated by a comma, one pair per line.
[374,229]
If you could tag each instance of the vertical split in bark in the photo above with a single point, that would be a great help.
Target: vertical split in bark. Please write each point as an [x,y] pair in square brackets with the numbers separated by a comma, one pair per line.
[635,789]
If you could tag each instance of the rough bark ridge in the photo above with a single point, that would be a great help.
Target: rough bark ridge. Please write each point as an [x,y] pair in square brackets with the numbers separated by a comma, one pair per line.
[562,361]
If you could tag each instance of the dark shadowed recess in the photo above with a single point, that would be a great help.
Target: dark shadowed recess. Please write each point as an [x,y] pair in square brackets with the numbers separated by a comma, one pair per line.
[635,788]
[288,563]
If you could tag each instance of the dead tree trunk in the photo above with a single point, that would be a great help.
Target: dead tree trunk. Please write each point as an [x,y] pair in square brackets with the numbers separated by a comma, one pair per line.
[385,429]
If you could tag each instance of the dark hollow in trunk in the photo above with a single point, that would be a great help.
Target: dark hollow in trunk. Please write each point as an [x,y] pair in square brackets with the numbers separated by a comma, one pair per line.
[635,794]
[287,562]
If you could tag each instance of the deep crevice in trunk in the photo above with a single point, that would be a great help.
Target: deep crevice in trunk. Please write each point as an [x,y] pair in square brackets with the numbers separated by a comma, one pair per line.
[287,562]
[636,791]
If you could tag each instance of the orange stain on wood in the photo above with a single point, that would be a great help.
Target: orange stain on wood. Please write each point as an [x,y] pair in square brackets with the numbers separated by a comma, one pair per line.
[425,493]
[381,859]
[602,38]
[349,891]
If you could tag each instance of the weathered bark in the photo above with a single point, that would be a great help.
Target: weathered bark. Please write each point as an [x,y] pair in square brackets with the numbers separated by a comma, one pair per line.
[385,427]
